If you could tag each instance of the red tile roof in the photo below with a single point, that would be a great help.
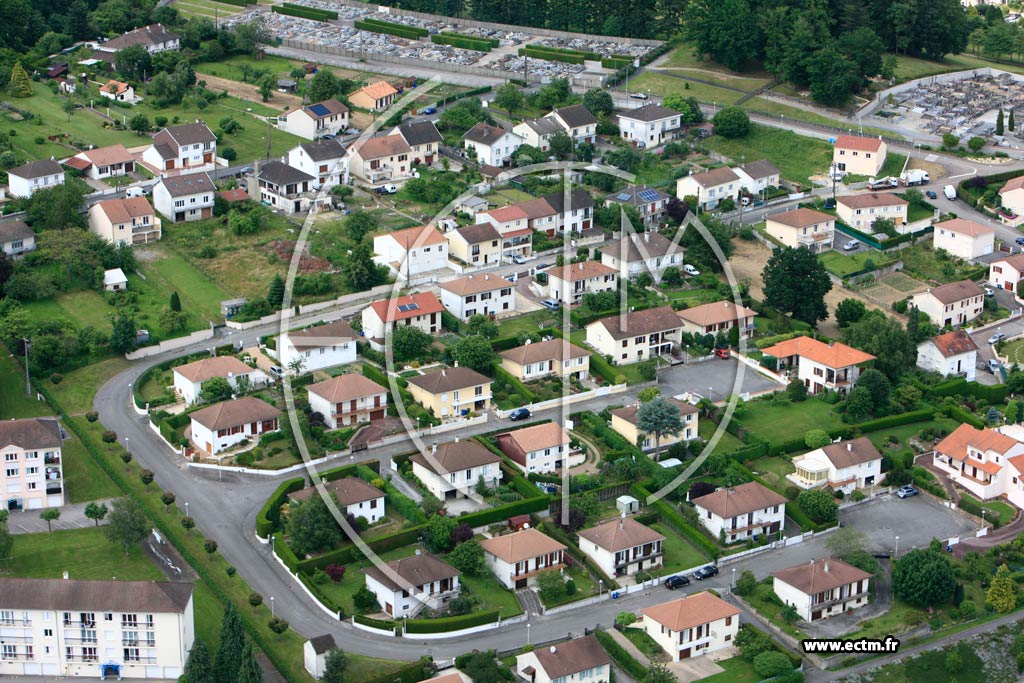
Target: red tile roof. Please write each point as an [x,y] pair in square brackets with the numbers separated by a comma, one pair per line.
[858,143]
[834,355]
[388,309]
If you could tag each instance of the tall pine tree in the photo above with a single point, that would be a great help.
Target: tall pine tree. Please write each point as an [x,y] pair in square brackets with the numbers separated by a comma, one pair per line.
[199,669]
[175,302]
[232,642]
[250,671]
[275,296]
[999,122]
[21,84]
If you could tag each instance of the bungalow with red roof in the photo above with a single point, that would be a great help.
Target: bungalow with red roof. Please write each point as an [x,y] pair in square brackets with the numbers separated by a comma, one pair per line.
[103,162]
[375,96]
[227,424]
[118,91]
[693,625]
[818,365]
[421,310]
[411,252]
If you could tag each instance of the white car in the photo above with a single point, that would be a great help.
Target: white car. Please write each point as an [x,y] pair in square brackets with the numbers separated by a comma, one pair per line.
[638,96]
[690,270]
[851,245]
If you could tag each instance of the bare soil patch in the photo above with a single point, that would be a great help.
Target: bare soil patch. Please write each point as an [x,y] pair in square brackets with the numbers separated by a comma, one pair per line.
[248,91]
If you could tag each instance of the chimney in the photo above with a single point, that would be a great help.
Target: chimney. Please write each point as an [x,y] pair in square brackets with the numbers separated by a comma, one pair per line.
[826,566]
[456,363]
[553,649]
[647,236]
[622,519]
[433,448]
[418,552]
[442,372]
[456,439]
[849,446]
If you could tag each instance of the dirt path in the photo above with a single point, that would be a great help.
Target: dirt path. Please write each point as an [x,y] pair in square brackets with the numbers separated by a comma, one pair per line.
[248,91]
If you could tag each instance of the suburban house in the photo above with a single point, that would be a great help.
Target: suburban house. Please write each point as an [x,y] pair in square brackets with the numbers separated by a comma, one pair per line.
[1011,195]
[952,304]
[27,179]
[422,310]
[182,149]
[803,228]
[637,337]
[471,206]
[963,238]
[103,162]
[475,245]
[537,132]
[375,96]
[622,547]
[68,628]
[324,160]
[184,197]
[986,462]
[312,121]
[649,252]
[535,360]
[319,347]
[575,212]
[694,625]
[822,588]
[155,38]
[354,496]
[541,216]
[118,91]
[718,316]
[567,284]
[541,448]
[314,654]
[455,676]
[647,201]
[455,467]
[189,378]
[227,424]
[860,211]
[857,155]
[758,176]
[381,159]
[710,188]
[579,660]
[650,125]
[234,195]
[423,138]
[484,294]
[515,559]
[284,187]
[487,144]
[451,393]
[845,466]
[348,399]
[953,354]
[578,123]
[738,513]
[818,365]
[1007,271]
[114,280]
[33,472]
[512,223]
[411,252]
[624,421]
[125,221]
[424,581]
[16,238]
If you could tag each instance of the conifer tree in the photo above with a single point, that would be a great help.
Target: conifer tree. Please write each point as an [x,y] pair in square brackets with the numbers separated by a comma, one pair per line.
[275,295]
[250,671]
[21,84]
[199,669]
[232,642]
[175,302]
[999,122]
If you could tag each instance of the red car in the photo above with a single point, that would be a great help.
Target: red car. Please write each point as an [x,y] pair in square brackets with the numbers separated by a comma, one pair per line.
[722,353]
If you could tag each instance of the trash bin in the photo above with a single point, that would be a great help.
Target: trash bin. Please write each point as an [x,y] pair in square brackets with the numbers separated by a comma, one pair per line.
[615,595]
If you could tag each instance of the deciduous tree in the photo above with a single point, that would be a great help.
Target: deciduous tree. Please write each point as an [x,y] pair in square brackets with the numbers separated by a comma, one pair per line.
[796,282]
[659,417]
[127,524]
[923,578]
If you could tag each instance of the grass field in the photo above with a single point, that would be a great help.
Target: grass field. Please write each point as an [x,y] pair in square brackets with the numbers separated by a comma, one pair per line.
[84,480]
[841,265]
[797,157]
[737,670]
[530,322]
[773,470]
[76,392]
[782,423]
[171,272]
[680,554]
[728,442]
[83,553]
[998,511]
[13,401]
[662,84]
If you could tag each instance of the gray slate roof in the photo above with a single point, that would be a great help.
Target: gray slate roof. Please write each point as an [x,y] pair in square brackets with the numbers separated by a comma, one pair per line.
[280,173]
[185,185]
[322,150]
[33,432]
[95,596]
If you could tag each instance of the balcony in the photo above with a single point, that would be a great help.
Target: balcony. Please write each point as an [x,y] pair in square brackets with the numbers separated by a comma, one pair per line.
[51,460]
[826,604]
[529,575]
[54,489]
[20,657]
[15,622]
[698,642]
[621,563]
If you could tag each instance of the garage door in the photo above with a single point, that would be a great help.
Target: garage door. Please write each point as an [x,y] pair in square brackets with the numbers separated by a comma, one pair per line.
[31,668]
[684,654]
[49,669]
[35,504]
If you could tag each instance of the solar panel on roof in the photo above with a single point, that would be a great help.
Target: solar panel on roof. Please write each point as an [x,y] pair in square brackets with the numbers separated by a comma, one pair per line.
[648,195]
[622,196]
[320,110]
[405,308]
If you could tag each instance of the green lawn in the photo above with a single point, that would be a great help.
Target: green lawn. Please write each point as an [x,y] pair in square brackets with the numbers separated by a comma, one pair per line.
[917,212]
[728,442]
[907,432]
[898,619]
[763,105]
[922,262]
[83,553]
[909,68]
[586,587]
[492,595]
[76,392]
[998,511]
[773,470]
[198,293]
[13,401]
[530,322]
[644,643]
[680,554]
[693,297]
[782,423]
[84,480]
[841,265]
[797,157]
[768,605]
[1014,352]
[662,84]
[893,165]
[737,670]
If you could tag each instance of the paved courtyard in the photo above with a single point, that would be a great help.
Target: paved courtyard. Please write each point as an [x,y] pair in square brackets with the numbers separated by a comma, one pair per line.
[713,379]
[914,520]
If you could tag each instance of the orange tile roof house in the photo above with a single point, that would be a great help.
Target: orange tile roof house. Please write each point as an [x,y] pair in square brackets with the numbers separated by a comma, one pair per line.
[423,310]
[818,365]
[552,357]
[718,316]
[513,224]
[952,304]
[515,559]
[987,462]
[106,162]
[412,252]
[541,448]
[862,210]
[741,512]
[1006,271]
[486,294]
[953,354]
[622,547]
[227,424]
[381,159]
[695,625]
[116,90]
[125,221]
[189,378]
[822,588]
[568,284]
[803,228]
[859,155]
[348,399]
[580,659]
[374,96]
[964,239]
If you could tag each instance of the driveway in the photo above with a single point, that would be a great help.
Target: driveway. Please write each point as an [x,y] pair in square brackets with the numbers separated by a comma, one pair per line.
[915,521]
[713,379]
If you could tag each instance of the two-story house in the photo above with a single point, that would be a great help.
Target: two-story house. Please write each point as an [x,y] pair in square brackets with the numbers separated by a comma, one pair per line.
[758,176]
[803,228]
[452,469]
[104,162]
[822,588]
[578,123]
[538,132]
[348,399]
[516,559]
[186,148]
[319,346]
[33,476]
[1011,196]
[647,201]
[637,336]
[692,626]
[710,188]
[484,294]
[452,393]
[951,304]
[423,310]
[16,238]
[410,584]
[188,378]
[229,423]
[649,252]
[989,463]
[650,125]
[354,496]
[27,179]
[569,283]
[487,144]
[423,138]
[283,187]
[964,239]
[411,252]
[535,360]
[860,211]
[513,224]
[845,466]
[624,421]
[324,160]
[541,216]
[70,628]
[858,155]
[575,211]
[541,448]
[125,221]
[953,354]
[718,316]
[580,660]
[622,547]
[1006,271]
[312,121]
[477,245]
[741,512]
[376,96]
[184,197]
[380,159]
[818,365]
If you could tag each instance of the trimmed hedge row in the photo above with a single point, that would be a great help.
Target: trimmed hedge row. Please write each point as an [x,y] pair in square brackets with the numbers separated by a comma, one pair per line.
[269,515]
[961,415]
[504,344]
[616,62]
[373,623]
[400,30]
[896,420]
[505,377]
[619,655]
[961,387]
[236,3]
[443,624]
[973,508]
[389,24]
[449,321]
[537,53]
[674,519]
[462,95]
[304,12]
[465,42]
[285,553]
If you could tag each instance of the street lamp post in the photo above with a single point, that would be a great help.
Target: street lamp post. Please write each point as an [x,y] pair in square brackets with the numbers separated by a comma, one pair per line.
[984,511]
[600,586]
[897,552]
[186,508]
[272,607]
[733,577]
[527,633]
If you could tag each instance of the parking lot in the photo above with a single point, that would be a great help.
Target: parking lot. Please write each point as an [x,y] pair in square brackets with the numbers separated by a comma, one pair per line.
[915,521]
[713,379]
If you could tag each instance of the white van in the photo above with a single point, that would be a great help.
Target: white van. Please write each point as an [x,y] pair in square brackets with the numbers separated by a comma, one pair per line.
[950,192]
[135,191]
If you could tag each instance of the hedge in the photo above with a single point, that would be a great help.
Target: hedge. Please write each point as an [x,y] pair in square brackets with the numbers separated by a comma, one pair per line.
[896,420]
[304,12]
[603,369]
[674,519]
[537,53]
[961,387]
[449,321]
[505,377]
[625,660]
[922,481]
[236,3]
[443,624]
[284,552]
[400,30]
[269,515]
[973,508]
[392,24]
[961,415]
[504,344]
[373,623]
[412,673]
[616,62]
[465,42]
[448,99]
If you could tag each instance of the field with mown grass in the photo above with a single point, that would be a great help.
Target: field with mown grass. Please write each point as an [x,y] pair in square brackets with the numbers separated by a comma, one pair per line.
[797,157]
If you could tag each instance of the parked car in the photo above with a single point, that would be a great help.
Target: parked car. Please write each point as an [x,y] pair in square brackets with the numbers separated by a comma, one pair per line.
[430,110]
[690,270]
[950,192]
[931,194]
[906,492]
[722,353]
[989,291]
[135,191]
[677,581]
[997,337]
[638,96]
[519,414]
[993,366]
[518,259]
[246,170]
[276,371]
[1019,240]
[550,304]
[851,245]
[706,572]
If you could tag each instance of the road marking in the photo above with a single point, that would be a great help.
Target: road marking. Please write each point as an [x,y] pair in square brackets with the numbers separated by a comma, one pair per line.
[974,171]
[932,157]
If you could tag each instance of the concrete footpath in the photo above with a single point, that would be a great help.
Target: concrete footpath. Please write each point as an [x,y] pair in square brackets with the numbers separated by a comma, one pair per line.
[71,517]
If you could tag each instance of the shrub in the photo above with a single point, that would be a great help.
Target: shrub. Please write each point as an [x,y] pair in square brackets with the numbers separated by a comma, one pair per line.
[109,436]
[56,378]
[92,416]
[857,496]
[773,663]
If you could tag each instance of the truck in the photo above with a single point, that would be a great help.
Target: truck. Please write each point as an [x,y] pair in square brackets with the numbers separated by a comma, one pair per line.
[950,192]
[883,183]
[914,176]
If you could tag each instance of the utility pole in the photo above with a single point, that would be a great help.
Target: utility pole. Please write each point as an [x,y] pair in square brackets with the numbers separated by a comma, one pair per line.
[28,380]
[268,139]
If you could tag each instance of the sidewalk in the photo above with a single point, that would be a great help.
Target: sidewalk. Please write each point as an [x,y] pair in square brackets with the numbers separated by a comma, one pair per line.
[71,517]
